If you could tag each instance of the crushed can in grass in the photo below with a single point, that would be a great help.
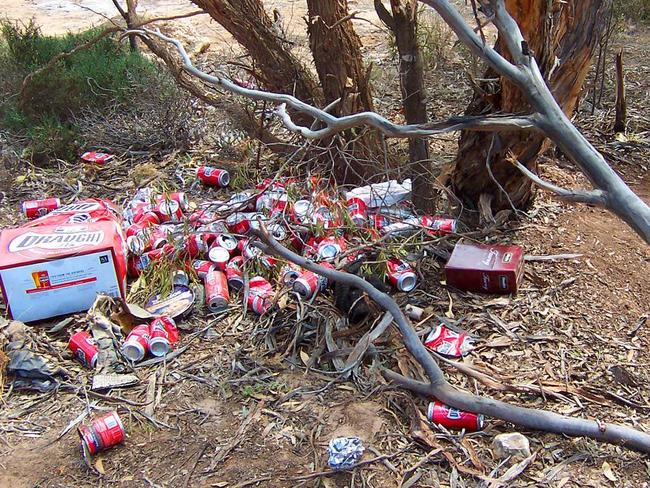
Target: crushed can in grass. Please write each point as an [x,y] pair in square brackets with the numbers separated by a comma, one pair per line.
[440,414]
[33,209]
[103,433]
[344,452]
[213,176]
[448,342]
[84,348]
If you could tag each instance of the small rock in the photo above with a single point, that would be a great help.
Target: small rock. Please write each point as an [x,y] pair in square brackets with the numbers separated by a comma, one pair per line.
[513,445]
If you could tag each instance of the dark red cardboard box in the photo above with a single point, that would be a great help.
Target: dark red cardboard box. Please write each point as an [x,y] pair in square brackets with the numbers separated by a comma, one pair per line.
[485,268]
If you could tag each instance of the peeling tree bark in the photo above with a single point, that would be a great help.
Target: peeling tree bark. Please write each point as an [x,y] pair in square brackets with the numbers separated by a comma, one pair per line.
[402,21]
[336,50]
[562,37]
[278,69]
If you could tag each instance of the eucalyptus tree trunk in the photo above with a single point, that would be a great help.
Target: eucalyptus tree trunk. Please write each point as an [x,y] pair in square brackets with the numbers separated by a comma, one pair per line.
[562,37]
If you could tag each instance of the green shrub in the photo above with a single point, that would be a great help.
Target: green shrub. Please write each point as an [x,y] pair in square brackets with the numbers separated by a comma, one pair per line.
[107,76]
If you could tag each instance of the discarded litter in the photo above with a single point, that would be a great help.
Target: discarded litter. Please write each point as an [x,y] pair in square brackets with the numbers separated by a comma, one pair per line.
[344,452]
[453,418]
[57,263]
[485,268]
[103,433]
[33,209]
[99,158]
[448,342]
[84,348]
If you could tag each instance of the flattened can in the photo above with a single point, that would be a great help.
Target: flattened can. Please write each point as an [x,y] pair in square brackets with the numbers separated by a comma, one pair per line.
[438,225]
[103,433]
[37,208]
[289,273]
[177,196]
[452,418]
[213,176]
[84,348]
[238,223]
[136,345]
[216,290]
[247,250]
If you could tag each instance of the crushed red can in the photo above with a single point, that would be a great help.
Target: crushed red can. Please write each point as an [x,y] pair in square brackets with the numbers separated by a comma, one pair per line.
[234,273]
[247,250]
[357,211]
[33,209]
[213,176]
[103,433]
[452,418]
[216,290]
[448,342]
[202,267]
[438,225]
[400,274]
[163,335]
[96,157]
[260,295]
[136,345]
[84,348]
[289,273]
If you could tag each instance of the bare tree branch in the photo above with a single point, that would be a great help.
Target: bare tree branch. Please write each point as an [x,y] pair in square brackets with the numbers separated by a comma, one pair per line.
[439,388]
[593,197]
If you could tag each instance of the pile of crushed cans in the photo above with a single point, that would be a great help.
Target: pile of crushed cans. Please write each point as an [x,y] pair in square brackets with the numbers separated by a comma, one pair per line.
[212,241]
[213,237]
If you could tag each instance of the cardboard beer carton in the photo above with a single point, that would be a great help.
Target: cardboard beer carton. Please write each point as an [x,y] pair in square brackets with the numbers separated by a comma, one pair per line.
[50,270]
[484,268]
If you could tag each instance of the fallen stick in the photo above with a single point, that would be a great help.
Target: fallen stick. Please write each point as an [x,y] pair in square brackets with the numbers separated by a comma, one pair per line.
[439,388]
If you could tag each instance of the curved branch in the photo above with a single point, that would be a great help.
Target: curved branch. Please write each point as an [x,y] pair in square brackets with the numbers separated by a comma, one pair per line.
[590,197]
[337,124]
[441,389]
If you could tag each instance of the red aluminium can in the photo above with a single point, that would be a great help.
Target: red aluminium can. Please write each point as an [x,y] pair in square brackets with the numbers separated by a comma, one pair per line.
[308,283]
[169,211]
[260,295]
[37,208]
[136,345]
[213,176]
[84,348]
[202,267]
[357,210]
[238,223]
[401,275]
[105,432]
[219,256]
[216,290]
[441,414]
[438,225]
[163,335]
